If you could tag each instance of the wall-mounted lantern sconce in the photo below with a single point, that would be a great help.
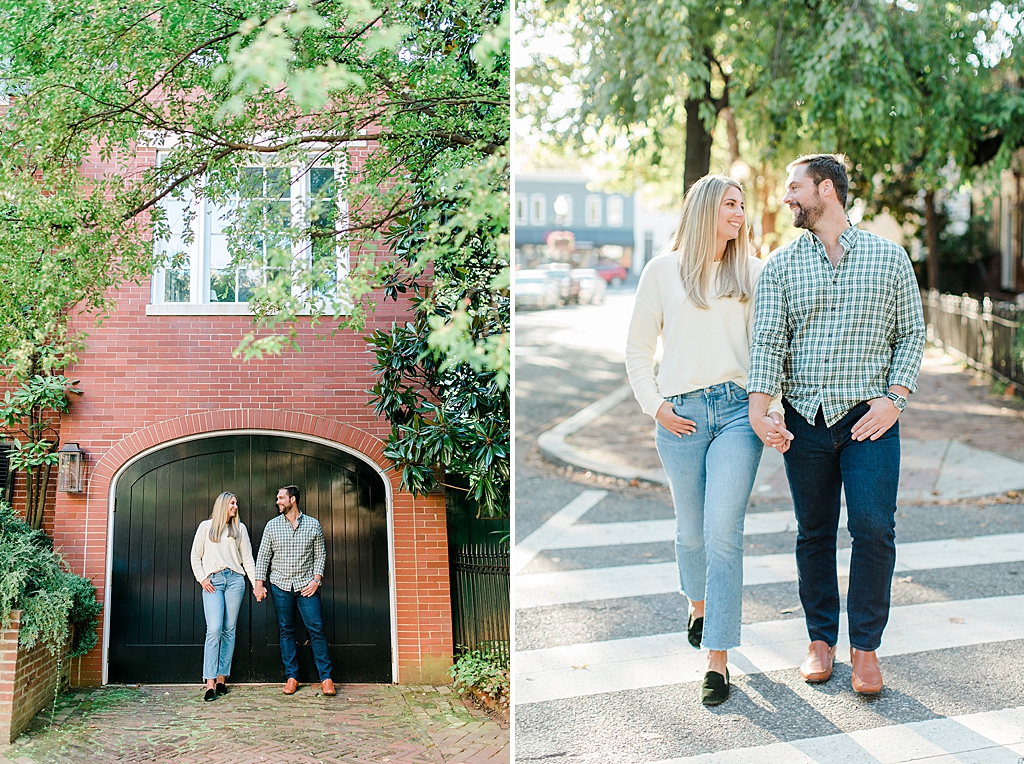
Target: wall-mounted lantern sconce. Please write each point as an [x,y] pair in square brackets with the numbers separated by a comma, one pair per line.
[70,468]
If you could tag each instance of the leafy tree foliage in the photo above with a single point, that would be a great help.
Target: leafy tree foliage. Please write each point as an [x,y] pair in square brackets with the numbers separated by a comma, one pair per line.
[421,85]
[919,95]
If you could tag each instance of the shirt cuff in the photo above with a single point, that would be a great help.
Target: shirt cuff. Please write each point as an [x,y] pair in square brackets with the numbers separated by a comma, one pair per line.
[903,380]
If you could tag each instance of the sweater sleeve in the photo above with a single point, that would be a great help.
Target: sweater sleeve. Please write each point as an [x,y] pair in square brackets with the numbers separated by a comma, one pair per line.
[642,342]
[198,548]
[245,550]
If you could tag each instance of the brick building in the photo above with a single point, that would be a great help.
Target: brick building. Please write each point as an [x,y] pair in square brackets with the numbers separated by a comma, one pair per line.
[169,419]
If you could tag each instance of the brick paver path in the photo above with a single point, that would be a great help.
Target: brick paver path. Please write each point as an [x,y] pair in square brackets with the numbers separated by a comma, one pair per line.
[257,723]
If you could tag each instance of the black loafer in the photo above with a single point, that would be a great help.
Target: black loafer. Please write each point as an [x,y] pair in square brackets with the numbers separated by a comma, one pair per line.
[695,631]
[715,688]
[222,689]
[211,694]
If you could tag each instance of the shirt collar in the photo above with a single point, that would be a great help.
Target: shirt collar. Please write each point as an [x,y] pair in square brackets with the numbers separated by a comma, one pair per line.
[847,238]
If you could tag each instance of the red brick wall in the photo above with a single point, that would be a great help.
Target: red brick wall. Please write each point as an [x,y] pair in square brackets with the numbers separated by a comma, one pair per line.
[27,680]
[150,379]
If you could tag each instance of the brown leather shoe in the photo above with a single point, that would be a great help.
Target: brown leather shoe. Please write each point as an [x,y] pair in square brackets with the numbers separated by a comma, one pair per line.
[290,686]
[328,687]
[817,666]
[867,677]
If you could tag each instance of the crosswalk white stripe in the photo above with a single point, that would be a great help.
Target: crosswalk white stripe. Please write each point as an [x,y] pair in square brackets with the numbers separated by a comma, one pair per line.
[989,737]
[655,531]
[564,587]
[624,664]
[543,537]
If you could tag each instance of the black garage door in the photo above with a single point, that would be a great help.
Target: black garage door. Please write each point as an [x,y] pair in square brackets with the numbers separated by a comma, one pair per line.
[157,628]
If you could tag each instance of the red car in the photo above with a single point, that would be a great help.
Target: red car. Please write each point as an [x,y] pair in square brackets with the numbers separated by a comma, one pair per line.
[613,273]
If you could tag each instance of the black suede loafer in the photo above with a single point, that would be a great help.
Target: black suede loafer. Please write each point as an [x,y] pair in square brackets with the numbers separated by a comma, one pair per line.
[222,689]
[695,631]
[211,694]
[715,688]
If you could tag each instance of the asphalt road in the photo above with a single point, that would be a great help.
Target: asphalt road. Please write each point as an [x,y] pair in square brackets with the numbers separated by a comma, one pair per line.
[954,680]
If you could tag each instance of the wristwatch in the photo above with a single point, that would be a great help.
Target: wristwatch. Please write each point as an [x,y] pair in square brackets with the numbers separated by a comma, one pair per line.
[897,400]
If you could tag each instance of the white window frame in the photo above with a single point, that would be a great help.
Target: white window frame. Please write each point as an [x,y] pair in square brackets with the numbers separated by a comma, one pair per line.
[522,209]
[538,209]
[199,251]
[593,210]
[616,211]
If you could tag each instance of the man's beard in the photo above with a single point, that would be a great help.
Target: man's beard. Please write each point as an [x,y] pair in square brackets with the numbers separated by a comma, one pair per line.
[806,217]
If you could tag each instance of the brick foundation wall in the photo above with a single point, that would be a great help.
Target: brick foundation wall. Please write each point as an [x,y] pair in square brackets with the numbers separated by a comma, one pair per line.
[27,681]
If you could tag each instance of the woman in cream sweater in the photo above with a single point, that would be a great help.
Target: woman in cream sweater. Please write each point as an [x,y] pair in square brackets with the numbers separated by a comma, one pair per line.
[221,559]
[699,300]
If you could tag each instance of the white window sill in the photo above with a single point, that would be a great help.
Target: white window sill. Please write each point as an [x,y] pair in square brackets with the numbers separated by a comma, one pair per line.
[205,309]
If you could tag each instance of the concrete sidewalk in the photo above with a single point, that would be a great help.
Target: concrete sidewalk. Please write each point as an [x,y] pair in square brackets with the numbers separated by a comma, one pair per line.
[399,724]
[960,440]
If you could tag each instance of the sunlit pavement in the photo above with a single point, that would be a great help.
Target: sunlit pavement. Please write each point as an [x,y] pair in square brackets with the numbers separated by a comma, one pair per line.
[603,670]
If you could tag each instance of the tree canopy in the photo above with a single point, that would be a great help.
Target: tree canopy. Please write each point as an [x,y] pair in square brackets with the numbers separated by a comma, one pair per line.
[907,90]
[418,86]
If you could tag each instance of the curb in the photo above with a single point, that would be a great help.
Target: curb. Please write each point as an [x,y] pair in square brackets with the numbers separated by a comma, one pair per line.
[554,448]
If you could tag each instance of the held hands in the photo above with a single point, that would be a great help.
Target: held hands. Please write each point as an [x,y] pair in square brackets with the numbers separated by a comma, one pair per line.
[207,586]
[881,415]
[310,589]
[771,429]
[259,591]
[676,425]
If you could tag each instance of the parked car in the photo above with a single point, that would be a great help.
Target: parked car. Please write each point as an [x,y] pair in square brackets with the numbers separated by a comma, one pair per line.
[592,286]
[535,289]
[613,273]
[569,288]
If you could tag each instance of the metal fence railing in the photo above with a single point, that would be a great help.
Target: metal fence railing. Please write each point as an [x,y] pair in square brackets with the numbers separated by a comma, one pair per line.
[480,598]
[983,333]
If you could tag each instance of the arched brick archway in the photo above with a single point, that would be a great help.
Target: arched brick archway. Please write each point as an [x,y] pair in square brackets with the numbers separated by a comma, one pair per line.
[359,441]
[421,596]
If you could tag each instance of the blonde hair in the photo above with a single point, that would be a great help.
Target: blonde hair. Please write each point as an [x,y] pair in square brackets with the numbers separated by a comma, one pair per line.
[694,245]
[220,518]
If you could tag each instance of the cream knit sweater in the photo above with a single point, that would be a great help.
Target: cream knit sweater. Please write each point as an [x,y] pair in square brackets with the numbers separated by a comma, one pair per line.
[700,347]
[209,557]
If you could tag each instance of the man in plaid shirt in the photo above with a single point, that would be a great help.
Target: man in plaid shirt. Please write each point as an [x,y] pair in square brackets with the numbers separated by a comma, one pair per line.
[839,330]
[293,551]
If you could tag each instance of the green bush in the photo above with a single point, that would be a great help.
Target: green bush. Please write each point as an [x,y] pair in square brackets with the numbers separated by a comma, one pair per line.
[56,604]
[481,671]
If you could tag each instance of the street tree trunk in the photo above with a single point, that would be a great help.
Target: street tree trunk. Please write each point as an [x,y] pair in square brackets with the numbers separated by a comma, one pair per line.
[698,142]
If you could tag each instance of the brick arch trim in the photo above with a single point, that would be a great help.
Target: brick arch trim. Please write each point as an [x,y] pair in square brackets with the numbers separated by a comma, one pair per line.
[366,444]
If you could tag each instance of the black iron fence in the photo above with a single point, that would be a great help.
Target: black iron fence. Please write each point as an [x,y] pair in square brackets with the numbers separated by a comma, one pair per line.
[480,597]
[983,333]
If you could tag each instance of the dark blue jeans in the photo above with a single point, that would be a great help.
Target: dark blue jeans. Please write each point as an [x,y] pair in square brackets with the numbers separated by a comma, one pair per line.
[286,603]
[820,462]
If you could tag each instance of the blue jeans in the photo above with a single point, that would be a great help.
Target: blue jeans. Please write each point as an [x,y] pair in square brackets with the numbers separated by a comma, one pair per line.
[821,461]
[221,609]
[286,603]
[711,474]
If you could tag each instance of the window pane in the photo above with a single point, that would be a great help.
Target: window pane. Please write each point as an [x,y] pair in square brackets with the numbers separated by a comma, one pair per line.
[252,183]
[248,280]
[279,183]
[178,284]
[321,182]
[222,285]
[219,255]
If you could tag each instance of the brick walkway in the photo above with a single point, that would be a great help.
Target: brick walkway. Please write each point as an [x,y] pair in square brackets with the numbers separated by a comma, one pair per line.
[405,724]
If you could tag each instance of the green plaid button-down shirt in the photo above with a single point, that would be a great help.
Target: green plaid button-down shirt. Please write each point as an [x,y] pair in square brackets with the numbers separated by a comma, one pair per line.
[834,337]
[293,557]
